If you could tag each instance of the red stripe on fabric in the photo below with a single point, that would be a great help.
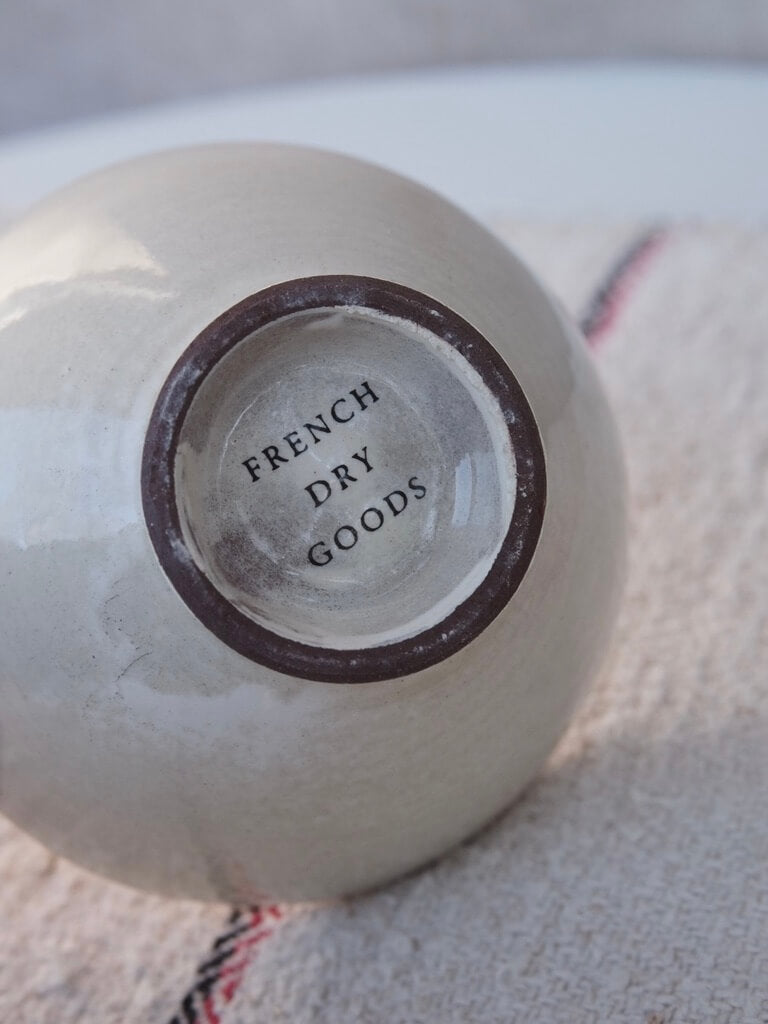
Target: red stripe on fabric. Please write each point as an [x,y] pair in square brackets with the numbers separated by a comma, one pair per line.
[211,1017]
[237,970]
[222,974]
[611,298]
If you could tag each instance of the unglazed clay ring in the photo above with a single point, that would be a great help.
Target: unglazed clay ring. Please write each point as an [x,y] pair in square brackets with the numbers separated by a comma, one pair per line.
[257,540]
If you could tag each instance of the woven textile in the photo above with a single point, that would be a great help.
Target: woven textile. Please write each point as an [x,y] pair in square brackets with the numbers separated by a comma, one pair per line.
[630,882]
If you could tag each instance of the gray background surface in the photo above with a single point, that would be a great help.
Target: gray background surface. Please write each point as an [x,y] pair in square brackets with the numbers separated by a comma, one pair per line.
[63,61]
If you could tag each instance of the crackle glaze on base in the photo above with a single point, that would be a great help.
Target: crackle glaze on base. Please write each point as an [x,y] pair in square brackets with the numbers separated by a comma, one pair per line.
[312,529]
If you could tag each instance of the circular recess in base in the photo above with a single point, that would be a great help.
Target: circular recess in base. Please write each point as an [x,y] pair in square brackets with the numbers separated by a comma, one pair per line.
[343,479]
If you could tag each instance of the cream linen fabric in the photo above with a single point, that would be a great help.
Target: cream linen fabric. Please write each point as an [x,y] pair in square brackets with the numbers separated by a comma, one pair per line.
[630,883]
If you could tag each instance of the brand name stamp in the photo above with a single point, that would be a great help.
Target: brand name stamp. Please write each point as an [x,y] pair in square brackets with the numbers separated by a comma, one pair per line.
[271,458]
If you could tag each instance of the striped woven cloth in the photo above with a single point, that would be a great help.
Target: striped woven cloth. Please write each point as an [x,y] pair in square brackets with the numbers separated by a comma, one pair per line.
[630,883]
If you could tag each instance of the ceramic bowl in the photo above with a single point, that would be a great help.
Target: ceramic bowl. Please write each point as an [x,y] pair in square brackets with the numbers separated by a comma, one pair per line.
[311,527]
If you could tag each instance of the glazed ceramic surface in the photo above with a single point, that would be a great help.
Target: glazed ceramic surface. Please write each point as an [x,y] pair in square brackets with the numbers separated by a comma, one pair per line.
[311,523]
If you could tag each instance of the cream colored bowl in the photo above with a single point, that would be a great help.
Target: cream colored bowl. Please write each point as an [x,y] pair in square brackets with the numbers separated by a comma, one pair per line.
[311,523]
